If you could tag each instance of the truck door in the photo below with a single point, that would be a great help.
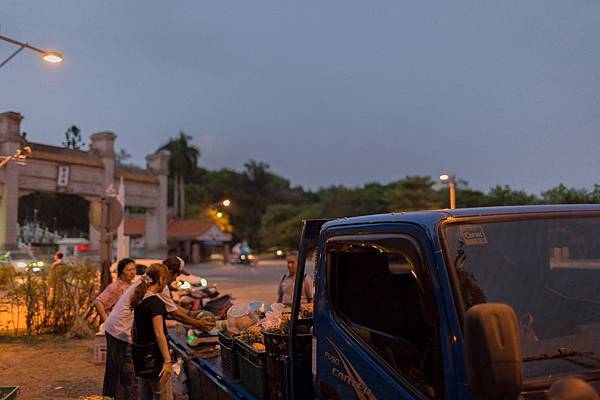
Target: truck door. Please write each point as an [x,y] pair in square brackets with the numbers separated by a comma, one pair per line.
[377,335]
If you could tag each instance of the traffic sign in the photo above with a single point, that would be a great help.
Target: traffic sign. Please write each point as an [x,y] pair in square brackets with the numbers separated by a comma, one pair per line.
[113,210]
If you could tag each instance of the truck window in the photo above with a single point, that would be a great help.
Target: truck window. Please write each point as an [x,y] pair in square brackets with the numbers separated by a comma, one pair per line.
[377,292]
[548,271]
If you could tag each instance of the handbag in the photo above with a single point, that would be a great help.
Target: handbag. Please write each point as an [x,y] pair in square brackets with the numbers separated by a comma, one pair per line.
[147,358]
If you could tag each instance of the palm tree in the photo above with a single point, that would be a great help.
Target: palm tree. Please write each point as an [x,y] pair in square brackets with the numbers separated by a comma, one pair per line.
[182,162]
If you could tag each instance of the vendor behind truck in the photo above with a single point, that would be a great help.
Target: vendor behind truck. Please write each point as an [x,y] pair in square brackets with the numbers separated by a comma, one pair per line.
[119,379]
[285,292]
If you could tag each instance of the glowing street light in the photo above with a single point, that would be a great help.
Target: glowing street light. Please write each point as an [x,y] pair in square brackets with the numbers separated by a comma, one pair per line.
[53,57]
[48,56]
[19,157]
[226,202]
[450,180]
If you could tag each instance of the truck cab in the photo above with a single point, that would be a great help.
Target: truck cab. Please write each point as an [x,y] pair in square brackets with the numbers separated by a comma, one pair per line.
[457,304]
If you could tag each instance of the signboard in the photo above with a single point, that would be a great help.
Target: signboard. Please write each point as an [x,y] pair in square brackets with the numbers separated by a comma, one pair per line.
[114,214]
[62,178]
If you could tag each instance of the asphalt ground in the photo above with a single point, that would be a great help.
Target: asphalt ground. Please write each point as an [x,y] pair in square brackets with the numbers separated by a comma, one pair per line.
[242,282]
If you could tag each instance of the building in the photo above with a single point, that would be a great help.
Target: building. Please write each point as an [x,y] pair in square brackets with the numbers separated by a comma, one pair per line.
[192,239]
[87,174]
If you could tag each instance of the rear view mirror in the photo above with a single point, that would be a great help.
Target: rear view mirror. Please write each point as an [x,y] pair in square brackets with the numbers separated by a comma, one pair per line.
[493,351]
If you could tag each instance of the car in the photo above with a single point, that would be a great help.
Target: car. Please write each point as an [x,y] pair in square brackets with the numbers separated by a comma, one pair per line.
[21,261]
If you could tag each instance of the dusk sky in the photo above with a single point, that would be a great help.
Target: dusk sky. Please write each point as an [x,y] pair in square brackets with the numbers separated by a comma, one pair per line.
[326,92]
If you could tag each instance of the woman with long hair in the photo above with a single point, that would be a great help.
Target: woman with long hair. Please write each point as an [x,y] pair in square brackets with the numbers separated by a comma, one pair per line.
[151,356]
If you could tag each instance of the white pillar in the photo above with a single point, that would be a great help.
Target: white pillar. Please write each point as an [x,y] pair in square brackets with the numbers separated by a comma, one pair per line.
[10,141]
[156,218]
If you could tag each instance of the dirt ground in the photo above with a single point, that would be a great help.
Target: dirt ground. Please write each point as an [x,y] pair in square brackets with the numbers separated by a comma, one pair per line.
[50,367]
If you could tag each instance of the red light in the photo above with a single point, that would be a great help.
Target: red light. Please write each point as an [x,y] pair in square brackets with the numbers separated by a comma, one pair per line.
[82,248]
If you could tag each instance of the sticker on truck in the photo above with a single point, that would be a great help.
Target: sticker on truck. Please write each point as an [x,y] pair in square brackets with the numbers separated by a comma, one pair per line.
[345,372]
[473,235]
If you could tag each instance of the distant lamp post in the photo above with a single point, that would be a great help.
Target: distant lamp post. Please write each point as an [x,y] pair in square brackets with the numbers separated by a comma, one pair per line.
[215,209]
[48,56]
[450,180]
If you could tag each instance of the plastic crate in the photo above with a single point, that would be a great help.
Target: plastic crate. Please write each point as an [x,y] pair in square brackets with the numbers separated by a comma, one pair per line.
[9,392]
[229,358]
[253,369]
[99,354]
[278,365]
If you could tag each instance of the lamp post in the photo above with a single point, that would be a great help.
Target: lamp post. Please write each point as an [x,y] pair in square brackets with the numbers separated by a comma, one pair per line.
[450,180]
[19,157]
[48,56]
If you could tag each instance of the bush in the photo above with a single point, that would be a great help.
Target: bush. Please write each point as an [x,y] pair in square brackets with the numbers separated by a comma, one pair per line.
[50,301]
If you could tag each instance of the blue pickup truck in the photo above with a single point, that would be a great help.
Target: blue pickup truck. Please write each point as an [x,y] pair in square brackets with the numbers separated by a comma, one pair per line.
[489,303]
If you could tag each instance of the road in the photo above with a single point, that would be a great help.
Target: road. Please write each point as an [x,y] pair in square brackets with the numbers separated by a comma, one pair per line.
[242,282]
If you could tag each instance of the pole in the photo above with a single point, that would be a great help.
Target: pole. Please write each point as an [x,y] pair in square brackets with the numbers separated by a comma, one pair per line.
[452,194]
[11,56]
[105,246]
[122,242]
[23,45]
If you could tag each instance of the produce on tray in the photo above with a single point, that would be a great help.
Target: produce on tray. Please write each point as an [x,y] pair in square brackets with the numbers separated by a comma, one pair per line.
[306,310]
[252,336]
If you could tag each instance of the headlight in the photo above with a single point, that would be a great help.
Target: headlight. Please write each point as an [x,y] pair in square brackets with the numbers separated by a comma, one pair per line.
[203,282]
[40,263]
[185,285]
[279,252]
[243,256]
[21,264]
[36,269]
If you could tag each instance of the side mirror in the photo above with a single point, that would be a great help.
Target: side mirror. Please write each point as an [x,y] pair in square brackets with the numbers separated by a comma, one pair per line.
[493,351]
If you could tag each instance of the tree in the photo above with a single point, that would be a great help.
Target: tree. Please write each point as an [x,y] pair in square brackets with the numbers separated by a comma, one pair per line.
[122,156]
[183,162]
[282,223]
[564,195]
[73,139]
[505,196]
[412,193]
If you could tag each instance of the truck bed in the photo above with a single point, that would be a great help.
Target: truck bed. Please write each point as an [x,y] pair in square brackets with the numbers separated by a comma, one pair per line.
[206,379]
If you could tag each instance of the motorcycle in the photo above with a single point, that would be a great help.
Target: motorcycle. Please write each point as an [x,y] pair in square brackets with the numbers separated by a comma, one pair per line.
[197,298]
[248,259]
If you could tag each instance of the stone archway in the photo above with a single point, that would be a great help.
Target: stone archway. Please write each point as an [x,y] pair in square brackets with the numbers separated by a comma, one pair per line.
[87,174]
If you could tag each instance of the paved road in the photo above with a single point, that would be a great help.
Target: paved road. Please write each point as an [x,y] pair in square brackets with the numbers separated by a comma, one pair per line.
[242,282]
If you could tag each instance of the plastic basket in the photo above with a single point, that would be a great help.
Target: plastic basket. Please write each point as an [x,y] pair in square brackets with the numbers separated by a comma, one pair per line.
[9,393]
[253,369]
[229,358]
[276,346]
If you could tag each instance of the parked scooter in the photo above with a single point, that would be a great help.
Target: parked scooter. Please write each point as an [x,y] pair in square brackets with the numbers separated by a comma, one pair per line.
[197,298]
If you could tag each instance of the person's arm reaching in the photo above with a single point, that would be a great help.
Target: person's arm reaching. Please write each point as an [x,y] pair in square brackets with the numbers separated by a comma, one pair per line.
[101,310]
[182,315]
[161,340]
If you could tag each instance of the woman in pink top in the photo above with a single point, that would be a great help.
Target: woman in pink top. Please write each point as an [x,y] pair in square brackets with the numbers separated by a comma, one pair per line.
[104,303]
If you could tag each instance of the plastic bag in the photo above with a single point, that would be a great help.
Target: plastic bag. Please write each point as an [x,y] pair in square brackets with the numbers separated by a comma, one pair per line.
[240,317]
[179,381]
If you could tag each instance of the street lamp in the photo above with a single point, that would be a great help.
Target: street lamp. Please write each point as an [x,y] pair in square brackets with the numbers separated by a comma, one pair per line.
[19,157]
[48,56]
[226,202]
[450,180]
